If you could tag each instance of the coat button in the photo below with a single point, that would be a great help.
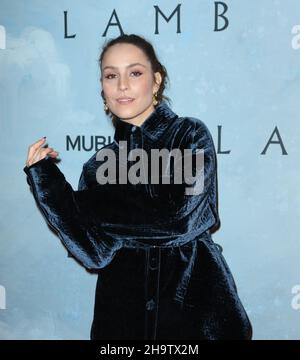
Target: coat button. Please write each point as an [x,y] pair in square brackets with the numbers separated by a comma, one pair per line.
[219,247]
[150,304]
[133,128]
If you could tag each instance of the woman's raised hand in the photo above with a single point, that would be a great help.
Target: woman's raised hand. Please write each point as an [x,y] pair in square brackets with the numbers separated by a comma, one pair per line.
[36,152]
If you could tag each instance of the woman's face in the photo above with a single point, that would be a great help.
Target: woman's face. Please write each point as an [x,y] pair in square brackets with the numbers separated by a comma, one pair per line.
[127,73]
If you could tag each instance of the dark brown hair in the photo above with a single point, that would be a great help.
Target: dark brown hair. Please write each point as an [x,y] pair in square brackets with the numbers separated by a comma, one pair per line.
[149,51]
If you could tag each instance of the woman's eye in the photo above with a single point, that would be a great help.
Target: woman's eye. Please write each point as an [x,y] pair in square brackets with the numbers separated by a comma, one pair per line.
[137,72]
[108,76]
[111,76]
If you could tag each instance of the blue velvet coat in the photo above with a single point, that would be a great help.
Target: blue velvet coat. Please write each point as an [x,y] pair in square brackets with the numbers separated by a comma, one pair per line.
[160,274]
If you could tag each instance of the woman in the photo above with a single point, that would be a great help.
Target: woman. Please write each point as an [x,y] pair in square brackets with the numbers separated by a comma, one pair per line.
[160,275]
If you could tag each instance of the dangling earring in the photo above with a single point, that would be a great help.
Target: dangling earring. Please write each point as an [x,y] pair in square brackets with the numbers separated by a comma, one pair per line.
[154,99]
[105,106]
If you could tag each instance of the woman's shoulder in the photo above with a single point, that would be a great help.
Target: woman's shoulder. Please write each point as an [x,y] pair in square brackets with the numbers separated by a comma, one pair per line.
[195,128]
[195,123]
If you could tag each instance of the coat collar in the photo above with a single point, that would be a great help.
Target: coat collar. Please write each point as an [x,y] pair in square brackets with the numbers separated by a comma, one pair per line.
[154,125]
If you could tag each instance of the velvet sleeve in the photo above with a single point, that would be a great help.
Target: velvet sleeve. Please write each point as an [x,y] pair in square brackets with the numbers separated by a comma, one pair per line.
[68,213]
[92,222]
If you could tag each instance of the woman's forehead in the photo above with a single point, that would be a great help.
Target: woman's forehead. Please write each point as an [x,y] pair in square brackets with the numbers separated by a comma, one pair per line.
[122,56]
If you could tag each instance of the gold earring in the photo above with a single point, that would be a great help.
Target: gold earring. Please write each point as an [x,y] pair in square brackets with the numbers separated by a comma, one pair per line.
[154,99]
[105,106]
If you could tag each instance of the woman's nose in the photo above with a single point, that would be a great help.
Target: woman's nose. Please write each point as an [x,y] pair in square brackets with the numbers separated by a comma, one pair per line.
[123,83]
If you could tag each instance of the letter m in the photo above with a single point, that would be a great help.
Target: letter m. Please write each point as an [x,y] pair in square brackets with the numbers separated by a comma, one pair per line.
[176,10]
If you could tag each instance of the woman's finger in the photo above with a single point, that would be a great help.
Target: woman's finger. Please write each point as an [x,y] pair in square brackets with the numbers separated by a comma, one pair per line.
[39,154]
[33,147]
[53,153]
[42,152]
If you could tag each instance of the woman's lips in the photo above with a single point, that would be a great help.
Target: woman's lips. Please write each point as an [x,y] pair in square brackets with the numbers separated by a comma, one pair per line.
[125,101]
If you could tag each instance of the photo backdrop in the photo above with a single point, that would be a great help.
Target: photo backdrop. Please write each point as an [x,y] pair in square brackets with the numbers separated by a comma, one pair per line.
[234,64]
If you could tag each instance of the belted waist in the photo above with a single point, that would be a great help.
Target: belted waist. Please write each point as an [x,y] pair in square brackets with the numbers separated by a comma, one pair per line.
[132,243]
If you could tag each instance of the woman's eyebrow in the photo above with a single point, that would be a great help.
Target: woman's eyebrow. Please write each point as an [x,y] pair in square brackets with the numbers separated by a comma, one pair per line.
[128,66]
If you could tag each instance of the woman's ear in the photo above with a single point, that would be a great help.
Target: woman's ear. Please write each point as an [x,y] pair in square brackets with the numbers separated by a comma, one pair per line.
[158,80]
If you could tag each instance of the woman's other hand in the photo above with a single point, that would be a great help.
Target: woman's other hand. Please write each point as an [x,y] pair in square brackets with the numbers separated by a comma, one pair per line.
[36,152]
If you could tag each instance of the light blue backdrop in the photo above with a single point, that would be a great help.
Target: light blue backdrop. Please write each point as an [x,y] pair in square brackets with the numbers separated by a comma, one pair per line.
[245,79]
